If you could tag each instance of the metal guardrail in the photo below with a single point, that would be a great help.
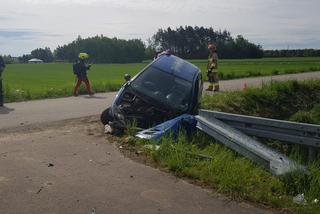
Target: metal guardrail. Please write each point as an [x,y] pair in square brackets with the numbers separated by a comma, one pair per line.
[275,162]
[299,133]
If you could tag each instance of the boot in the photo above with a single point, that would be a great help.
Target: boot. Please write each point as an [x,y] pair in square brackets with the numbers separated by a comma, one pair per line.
[210,88]
[216,88]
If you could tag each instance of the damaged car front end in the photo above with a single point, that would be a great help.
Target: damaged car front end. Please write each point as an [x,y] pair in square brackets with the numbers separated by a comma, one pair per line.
[166,88]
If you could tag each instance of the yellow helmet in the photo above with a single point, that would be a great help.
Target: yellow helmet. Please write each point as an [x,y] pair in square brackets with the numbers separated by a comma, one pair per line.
[83,56]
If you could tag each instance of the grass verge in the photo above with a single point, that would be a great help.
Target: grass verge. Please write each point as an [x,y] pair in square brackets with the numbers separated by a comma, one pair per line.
[214,166]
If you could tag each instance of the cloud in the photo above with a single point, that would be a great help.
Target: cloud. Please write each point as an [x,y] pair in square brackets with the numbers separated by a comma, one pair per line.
[16,34]
[3,18]
[62,1]
[116,23]
[21,34]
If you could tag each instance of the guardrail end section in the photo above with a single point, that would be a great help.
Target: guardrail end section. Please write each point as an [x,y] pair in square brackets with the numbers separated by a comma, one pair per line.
[280,168]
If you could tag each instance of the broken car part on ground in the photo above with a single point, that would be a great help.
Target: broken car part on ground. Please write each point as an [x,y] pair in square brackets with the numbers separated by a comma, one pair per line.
[171,127]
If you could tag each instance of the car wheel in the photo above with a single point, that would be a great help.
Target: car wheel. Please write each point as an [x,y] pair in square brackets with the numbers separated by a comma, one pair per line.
[105,117]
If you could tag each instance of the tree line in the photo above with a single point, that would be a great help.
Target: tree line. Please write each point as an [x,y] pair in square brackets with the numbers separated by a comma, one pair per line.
[187,42]
[192,43]
[102,49]
[292,53]
[44,54]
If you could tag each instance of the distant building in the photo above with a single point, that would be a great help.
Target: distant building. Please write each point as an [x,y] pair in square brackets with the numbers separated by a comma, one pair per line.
[34,60]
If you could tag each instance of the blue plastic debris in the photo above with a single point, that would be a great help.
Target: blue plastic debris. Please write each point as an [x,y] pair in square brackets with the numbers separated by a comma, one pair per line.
[185,122]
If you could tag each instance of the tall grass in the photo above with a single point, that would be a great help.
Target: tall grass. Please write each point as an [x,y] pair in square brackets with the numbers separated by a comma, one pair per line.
[233,175]
[279,100]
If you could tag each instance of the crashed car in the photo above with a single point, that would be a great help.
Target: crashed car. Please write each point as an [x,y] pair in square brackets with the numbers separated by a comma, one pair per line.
[165,89]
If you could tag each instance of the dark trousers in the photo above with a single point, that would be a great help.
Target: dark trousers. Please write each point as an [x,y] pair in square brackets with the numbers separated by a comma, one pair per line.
[213,77]
[210,76]
[1,92]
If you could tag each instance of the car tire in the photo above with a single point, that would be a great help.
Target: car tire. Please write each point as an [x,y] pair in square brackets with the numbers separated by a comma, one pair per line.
[106,117]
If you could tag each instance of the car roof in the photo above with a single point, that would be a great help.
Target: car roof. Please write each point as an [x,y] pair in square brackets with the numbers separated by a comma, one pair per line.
[176,66]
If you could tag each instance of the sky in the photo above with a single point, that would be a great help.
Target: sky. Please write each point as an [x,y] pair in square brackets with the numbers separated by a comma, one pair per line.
[274,24]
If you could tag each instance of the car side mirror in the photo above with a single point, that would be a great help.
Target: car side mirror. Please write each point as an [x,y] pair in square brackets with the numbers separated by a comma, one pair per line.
[127,77]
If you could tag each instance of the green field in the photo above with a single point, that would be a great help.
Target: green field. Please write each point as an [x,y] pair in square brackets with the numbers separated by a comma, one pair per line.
[239,68]
[34,81]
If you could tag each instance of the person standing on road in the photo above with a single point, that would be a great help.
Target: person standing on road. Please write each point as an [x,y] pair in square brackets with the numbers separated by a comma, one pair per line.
[80,69]
[2,66]
[212,69]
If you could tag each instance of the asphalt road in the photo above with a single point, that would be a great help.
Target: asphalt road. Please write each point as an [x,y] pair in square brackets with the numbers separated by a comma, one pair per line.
[50,110]
[36,112]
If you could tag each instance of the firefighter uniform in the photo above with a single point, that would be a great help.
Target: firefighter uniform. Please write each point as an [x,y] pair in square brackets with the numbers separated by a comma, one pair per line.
[212,69]
[80,69]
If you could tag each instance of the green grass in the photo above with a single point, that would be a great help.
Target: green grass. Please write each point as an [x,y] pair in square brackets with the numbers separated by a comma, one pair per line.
[232,69]
[278,100]
[35,81]
[213,165]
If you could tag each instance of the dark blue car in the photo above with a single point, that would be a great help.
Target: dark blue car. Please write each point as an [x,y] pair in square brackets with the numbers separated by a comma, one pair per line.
[166,88]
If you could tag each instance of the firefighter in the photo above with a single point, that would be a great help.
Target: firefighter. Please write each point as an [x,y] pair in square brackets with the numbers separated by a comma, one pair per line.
[80,69]
[212,69]
[2,66]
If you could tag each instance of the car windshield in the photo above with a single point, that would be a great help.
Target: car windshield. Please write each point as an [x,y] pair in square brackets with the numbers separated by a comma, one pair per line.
[168,89]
